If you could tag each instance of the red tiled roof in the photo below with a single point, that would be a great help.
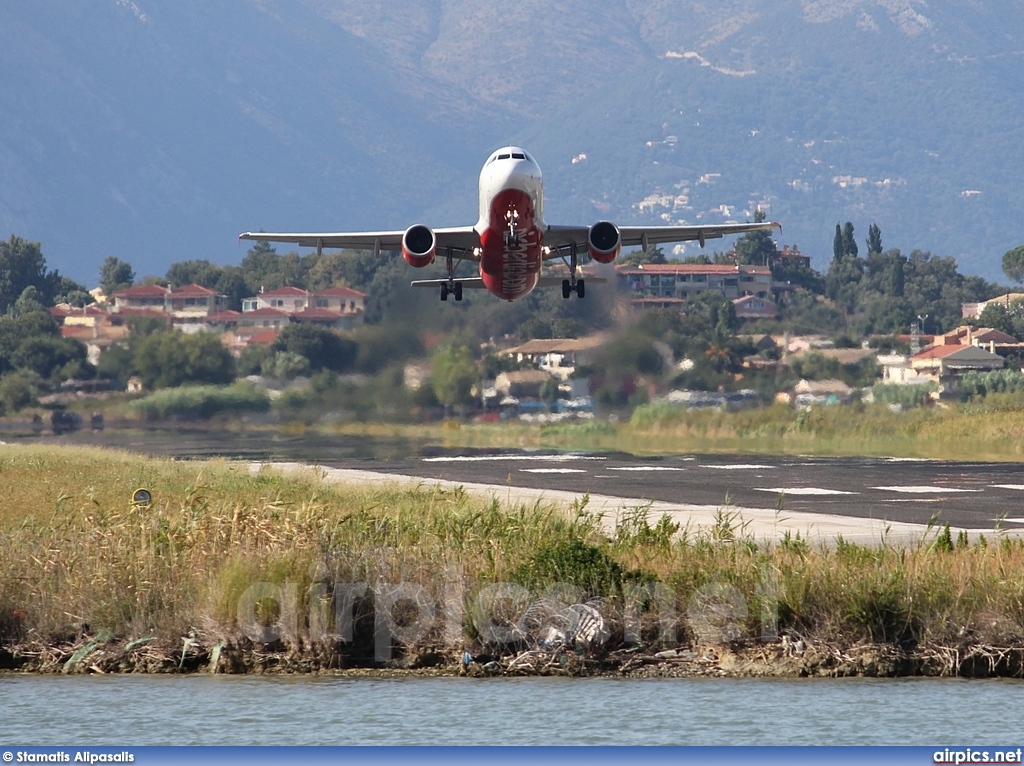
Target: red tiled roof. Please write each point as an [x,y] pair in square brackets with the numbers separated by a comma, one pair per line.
[692,268]
[939,352]
[262,338]
[281,291]
[192,291]
[143,291]
[226,316]
[340,292]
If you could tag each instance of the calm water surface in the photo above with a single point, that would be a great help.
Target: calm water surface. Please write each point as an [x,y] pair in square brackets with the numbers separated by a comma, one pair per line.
[204,710]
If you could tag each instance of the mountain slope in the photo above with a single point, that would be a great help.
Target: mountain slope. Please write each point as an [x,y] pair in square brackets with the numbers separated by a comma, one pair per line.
[158,130]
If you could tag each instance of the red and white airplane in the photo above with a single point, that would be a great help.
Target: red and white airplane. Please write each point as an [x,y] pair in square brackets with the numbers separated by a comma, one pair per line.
[511,241]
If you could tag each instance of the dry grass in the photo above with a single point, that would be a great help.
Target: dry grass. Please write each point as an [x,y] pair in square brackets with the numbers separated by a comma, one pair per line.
[74,551]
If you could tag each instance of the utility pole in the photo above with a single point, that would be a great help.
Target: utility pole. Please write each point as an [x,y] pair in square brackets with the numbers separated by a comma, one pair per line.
[915,334]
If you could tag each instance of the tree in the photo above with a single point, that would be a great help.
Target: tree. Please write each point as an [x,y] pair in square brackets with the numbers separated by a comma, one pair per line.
[325,349]
[30,300]
[874,240]
[231,283]
[115,275]
[16,392]
[453,375]
[169,358]
[998,317]
[16,330]
[53,358]
[22,265]
[1013,264]
[757,247]
[849,243]
[194,272]
[653,254]
[262,268]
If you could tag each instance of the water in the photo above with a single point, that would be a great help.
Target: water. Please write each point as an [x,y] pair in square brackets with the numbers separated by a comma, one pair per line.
[225,710]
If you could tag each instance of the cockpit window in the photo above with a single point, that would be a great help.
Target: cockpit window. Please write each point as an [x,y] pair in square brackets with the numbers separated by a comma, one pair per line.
[503,157]
[518,156]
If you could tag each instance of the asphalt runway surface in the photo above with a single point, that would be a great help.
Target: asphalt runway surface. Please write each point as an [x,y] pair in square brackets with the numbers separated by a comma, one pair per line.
[969,495]
[974,496]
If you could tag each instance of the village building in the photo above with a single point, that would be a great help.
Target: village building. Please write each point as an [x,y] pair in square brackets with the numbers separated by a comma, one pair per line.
[558,356]
[340,301]
[521,384]
[672,284]
[945,362]
[808,392]
[753,307]
[140,297]
[973,310]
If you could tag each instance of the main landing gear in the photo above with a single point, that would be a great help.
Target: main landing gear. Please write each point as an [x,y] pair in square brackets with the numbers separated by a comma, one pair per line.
[572,284]
[452,287]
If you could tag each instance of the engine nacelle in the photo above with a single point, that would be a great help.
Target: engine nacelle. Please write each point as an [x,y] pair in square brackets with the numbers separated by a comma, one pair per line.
[604,242]
[419,246]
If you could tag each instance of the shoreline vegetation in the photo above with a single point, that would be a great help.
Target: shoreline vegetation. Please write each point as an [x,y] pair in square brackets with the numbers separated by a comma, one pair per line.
[235,571]
[987,429]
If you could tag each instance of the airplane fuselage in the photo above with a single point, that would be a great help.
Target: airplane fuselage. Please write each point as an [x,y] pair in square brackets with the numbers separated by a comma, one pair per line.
[511,225]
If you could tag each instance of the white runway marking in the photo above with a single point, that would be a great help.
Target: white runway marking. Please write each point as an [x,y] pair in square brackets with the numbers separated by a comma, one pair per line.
[1012,521]
[804,491]
[924,489]
[534,458]
[1008,486]
[552,470]
[738,467]
[645,468]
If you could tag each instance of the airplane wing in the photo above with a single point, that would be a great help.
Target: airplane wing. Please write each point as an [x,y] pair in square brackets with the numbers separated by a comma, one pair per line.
[563,237]
[462,239]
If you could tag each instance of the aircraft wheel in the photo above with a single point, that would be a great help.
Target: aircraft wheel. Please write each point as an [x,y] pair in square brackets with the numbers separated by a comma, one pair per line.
[444,292]
[458,291]
[581,288]
[566,288]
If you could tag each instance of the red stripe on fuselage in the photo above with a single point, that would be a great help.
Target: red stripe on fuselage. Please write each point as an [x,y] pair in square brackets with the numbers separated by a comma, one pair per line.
[511,271]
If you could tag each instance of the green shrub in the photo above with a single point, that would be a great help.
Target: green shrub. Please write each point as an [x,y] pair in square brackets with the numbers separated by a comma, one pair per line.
[201,402]
[572,562]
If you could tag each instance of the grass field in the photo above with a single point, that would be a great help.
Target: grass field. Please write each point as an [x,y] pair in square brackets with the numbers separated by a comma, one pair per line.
[75,552]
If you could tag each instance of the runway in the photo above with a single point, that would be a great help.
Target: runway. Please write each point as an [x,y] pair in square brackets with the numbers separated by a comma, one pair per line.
[823,496]
[967,495]
[863,499]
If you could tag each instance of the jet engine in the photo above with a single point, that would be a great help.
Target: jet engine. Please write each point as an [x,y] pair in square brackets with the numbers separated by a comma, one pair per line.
[604,242]
[419,246]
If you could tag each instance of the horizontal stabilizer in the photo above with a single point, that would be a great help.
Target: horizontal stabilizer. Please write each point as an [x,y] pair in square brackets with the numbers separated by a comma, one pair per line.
[469,283]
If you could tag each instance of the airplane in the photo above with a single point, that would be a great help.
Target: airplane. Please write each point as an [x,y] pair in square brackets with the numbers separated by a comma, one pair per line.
[511,240]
